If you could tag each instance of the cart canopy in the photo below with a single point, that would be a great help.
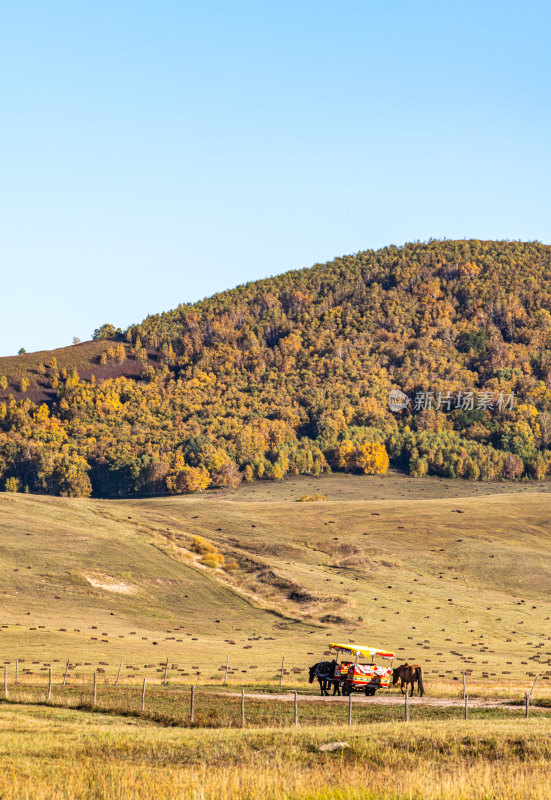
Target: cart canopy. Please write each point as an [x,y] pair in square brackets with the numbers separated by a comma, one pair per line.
[362,651]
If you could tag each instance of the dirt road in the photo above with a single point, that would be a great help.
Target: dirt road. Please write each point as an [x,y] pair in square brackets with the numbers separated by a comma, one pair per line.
[382,700]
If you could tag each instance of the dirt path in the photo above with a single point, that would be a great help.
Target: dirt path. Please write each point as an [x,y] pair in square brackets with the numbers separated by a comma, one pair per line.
[381,700]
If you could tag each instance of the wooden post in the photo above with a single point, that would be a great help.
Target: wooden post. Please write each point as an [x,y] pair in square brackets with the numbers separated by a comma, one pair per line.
[119,672]
[166,671]
[192,705]
[5,681]
[464,686]
[95,688]
[281,673]
[531,690]
[406,707]
[466,704]
[243,707]
[66,671]
[143,694]
[296,710]
[49,684]
[350,708]
[17,670]
[227,668]
[527,705]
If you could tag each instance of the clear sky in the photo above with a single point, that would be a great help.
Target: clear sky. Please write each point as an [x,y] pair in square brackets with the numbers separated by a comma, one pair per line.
[152,153]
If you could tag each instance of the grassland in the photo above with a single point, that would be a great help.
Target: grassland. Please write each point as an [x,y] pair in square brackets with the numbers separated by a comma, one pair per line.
[448,579]
[449,574]
[59,753]
[451,579]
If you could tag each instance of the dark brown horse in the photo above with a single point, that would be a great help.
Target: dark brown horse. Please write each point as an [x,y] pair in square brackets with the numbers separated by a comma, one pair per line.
[409,674]
[324,672]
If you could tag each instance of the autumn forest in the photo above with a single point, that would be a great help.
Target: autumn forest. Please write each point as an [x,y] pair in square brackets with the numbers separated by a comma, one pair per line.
[292,375]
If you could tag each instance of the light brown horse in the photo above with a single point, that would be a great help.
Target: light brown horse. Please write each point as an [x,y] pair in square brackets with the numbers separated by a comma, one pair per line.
[408,674]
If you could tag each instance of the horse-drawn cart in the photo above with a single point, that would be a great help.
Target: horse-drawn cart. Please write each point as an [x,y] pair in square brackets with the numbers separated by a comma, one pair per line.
[362,674]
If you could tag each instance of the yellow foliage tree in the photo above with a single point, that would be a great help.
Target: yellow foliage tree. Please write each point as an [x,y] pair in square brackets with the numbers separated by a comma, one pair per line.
[371,458]
[187,479]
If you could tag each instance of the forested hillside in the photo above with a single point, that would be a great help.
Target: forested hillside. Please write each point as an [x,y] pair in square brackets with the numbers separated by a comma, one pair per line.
[292,375]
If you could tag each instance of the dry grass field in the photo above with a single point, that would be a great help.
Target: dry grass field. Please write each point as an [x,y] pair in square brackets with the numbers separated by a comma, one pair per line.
[448,574]
[451,575]
[58,753]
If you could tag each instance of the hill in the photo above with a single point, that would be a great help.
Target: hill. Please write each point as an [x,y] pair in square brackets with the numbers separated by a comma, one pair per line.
[292,375]
[93,360]
[449,573]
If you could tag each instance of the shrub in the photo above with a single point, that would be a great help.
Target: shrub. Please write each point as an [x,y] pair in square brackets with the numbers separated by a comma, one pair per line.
[210,556]
[201,546]
[209,561]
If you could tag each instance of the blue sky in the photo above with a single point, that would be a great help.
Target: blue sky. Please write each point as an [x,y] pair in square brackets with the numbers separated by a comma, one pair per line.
[153,153]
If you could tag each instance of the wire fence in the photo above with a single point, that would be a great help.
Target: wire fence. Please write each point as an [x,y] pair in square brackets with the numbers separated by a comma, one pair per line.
[177,704]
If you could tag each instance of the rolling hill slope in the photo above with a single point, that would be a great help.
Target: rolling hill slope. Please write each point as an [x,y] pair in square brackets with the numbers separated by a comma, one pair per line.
[451,574]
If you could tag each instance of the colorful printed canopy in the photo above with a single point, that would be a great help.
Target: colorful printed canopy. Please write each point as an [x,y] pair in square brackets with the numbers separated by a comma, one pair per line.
[362,650]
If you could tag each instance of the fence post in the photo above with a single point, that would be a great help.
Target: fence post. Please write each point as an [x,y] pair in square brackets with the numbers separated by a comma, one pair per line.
[5,681]
[49,684]
[17,670]
[350,708]
[281,673]
[296,710]
[166,671]
[119,672]
[192,705]
[95,688]
[527,705]
[243,707]
[227,668]
[66,671]
[464,685]
[406,707]
[466,704]
[531,690]
[143,694]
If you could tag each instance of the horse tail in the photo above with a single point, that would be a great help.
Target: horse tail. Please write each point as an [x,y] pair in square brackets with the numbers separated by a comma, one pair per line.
[420,680]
